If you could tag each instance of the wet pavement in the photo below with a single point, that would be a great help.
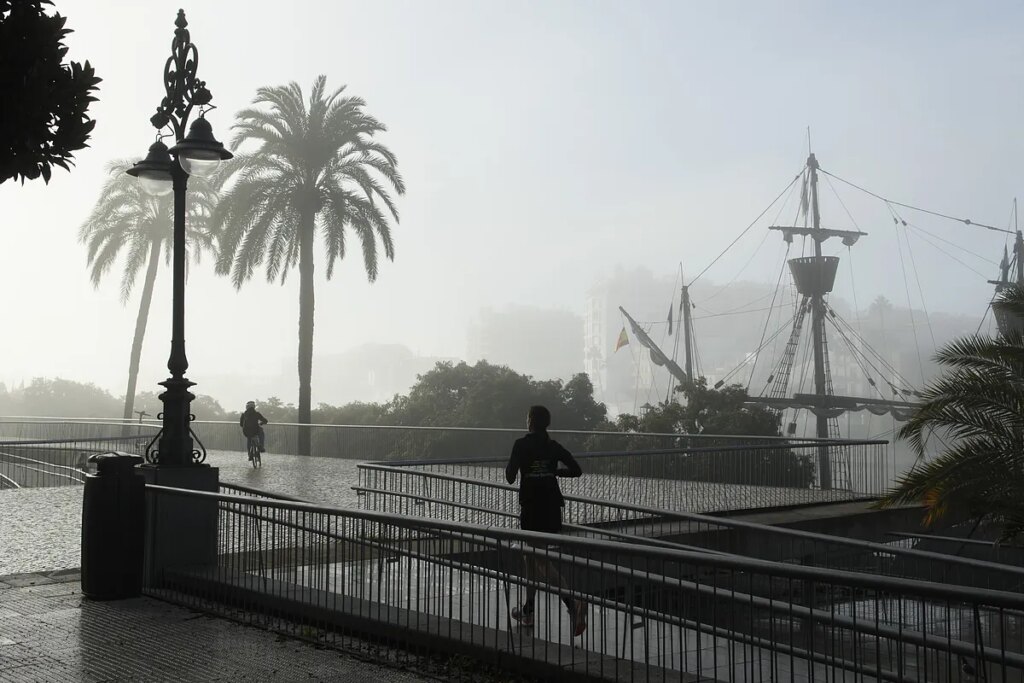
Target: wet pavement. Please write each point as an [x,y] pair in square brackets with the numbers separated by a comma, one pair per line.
[50,632]
[41,528]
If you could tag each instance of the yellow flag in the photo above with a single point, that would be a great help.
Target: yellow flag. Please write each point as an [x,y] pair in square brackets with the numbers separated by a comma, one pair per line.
[622,341]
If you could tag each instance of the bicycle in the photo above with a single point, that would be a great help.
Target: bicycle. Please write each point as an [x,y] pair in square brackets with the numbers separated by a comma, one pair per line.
[253,446]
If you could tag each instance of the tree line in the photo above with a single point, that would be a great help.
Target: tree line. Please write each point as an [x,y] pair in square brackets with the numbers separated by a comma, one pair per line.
[483,396]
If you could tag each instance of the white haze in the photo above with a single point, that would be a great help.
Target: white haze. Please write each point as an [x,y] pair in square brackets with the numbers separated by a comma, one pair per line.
[543,144]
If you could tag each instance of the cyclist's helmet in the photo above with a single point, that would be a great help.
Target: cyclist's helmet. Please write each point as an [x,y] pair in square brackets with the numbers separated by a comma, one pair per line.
[250,404]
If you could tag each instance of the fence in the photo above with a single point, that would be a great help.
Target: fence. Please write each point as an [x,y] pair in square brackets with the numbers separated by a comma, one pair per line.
[700,479]
[383,442]
[411,491]
[654,613]
[33,463]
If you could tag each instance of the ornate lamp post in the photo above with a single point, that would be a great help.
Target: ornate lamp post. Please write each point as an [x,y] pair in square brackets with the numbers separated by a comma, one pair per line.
[162,171]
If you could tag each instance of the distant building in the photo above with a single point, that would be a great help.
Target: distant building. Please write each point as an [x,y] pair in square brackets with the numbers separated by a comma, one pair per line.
[543,343]
[625,380]
[369,373]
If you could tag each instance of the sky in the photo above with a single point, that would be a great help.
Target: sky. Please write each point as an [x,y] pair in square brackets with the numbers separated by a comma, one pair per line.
[543,145]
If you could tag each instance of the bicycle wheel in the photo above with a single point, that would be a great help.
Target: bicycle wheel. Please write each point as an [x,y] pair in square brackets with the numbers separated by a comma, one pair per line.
[254,453]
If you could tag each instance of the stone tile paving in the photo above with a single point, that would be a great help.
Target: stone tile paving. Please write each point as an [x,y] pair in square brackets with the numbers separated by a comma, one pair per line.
[50,632]
[40,529]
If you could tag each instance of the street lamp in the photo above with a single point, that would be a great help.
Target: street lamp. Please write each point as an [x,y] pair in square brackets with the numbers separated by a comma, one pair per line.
[198,154]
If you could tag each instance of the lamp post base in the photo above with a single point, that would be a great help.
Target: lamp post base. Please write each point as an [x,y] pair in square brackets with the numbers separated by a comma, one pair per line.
[181,530]
[175,446]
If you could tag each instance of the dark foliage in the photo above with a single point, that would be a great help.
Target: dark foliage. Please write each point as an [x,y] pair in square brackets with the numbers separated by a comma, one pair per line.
[43,101]
[975,409]
[724,413]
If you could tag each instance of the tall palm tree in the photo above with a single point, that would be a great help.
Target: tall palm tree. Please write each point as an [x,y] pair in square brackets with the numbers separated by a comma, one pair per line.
[313,169]
[977,407]
[126,218]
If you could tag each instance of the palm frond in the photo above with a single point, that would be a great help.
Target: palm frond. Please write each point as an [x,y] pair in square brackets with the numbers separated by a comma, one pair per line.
[978,403]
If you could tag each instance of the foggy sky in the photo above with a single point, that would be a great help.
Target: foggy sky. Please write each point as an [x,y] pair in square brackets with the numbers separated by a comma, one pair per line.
[543,144]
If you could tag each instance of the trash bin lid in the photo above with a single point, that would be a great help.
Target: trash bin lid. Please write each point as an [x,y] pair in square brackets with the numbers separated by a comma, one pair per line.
[115,463]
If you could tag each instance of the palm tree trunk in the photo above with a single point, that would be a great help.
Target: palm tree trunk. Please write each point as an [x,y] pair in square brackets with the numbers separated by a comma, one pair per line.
[305,330]
[140,328]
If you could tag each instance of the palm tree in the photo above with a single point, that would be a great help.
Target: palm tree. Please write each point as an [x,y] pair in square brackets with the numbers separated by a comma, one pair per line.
[314,169]
[126,218]
[977,405]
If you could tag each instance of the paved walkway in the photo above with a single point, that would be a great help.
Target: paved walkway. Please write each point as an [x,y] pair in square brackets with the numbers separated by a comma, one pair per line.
[41,528]
[50,632]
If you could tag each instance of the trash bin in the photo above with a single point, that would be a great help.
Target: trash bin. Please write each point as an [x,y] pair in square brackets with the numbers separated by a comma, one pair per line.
[113,528]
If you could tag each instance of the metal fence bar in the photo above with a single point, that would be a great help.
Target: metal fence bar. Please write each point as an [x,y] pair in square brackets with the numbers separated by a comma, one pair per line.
[35,463]
[654,613]
[408,490]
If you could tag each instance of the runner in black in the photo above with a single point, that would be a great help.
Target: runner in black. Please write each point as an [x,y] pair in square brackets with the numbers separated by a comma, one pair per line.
[535,460]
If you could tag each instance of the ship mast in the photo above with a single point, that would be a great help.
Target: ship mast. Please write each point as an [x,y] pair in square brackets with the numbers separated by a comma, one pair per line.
[1006,320]
[817,295]
[687,340]
[814,277]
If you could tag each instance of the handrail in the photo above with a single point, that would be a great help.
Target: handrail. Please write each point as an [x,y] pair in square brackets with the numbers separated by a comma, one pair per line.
[575,527]
[43,442]
[953,539]
[817,443]
[260,492]
[944,592]
[912,636]
[731,522]
[509,430]
[39,462]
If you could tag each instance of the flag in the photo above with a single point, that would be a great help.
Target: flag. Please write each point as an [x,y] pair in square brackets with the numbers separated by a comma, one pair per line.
[622,341]
[670,319]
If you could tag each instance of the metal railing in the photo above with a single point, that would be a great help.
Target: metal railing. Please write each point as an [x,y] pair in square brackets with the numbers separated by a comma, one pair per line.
[25,428]
[653,613]
[36,463]
[703,479]
[386,488]
[392,442]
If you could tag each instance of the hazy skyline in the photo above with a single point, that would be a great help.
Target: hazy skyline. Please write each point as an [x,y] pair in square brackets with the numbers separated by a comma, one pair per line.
[543,144]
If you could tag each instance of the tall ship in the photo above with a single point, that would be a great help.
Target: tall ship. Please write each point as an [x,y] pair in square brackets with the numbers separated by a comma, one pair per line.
[799,384]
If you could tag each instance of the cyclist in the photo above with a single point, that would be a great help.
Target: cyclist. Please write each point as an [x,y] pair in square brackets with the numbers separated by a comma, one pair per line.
[252,422]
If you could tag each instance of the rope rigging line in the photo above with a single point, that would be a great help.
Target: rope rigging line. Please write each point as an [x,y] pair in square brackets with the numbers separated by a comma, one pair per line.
[740,271]
[937,247]
[881,359]
[697,364]
[910,304]
[965,221]
[808,352]
[768,318]
[679,324]
[785,326]
[858,358]
[841,202]
[730,310]
[856,315]
[982,321]
[920,293]
[743,312]
[886,366]
[909,224]
[782,207]
[747,229]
